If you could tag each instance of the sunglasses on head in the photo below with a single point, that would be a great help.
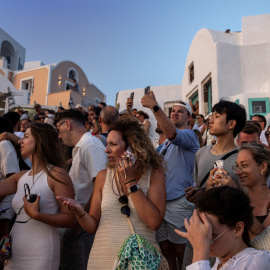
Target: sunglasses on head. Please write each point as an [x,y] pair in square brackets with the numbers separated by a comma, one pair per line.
[124,209]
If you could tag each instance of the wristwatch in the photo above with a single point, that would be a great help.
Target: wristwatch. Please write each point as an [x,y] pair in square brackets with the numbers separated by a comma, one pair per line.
[133,189]
[155,108]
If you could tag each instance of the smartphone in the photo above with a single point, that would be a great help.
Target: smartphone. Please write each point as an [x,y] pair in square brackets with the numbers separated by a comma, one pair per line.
[131,155]
[219,164]
[4,210]
[146,90]
[132,95]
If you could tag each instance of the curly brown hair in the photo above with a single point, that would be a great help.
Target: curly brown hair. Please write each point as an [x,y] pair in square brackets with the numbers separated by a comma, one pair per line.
[141,146]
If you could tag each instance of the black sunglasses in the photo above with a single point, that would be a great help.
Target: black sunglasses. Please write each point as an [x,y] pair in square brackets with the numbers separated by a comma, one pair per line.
[267,133]
[124,209]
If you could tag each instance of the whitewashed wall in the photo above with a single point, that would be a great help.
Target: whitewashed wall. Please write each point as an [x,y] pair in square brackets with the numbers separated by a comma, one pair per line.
[239,62]
[163,94]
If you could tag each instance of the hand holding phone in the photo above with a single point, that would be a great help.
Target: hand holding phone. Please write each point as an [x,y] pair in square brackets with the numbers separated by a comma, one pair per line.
[131,95]
[146,90]
[129,104]
[131,155]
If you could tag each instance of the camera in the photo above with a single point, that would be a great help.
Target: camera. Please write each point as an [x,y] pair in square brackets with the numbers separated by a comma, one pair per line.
[29,197]
[32,198]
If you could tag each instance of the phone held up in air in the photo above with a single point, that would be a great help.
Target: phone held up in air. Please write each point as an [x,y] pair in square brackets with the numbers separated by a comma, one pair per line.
[131,95]
[147,90]
[131,155]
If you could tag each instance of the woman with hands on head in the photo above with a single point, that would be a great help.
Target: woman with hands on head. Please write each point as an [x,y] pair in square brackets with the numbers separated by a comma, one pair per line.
[132,185]
[220,228]
[35,237]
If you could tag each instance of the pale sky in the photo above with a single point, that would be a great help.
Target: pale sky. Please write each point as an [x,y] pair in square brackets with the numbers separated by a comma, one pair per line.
[120,44]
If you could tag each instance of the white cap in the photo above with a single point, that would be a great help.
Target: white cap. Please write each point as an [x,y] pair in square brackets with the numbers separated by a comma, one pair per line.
[78,106]
[185,105]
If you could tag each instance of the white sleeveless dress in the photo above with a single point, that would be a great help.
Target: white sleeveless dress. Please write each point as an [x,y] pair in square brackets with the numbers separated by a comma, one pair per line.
[113,228]
[35,245]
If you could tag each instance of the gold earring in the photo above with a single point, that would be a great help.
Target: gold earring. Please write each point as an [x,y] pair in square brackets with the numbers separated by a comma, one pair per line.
[261,172]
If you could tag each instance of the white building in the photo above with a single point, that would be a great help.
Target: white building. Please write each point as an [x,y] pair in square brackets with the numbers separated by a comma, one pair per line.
[234,65]
[165,95]
[223,64]
[12,57]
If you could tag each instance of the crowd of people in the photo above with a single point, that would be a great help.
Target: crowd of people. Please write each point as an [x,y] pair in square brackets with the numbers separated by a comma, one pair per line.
[88,190]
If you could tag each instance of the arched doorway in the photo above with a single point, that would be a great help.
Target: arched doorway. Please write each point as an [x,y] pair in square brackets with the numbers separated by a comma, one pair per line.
[7,50]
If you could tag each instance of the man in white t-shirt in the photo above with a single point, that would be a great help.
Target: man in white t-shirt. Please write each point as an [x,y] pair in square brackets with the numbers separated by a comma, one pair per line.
[88,159]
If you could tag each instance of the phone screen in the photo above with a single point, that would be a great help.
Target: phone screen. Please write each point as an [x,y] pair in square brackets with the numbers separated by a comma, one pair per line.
[132,95]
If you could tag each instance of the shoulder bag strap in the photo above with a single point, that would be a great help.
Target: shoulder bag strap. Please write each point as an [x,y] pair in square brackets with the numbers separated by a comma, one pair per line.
[223,158]
[130,225]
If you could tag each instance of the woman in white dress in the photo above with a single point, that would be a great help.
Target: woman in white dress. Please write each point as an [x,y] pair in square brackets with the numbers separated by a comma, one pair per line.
[220,228]
[35,238]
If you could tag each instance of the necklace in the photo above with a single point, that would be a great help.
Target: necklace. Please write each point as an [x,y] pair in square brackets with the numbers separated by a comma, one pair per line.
[38,176]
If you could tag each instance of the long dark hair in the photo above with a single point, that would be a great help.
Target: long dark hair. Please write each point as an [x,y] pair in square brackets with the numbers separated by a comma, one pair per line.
[5,126]
[47,148]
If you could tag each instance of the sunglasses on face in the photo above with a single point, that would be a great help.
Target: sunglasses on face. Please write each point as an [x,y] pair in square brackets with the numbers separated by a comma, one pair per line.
[124,209]
[267,133]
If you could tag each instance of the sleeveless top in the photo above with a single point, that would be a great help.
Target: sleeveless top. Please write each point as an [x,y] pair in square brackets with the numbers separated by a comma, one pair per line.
[35,245]
[113,228]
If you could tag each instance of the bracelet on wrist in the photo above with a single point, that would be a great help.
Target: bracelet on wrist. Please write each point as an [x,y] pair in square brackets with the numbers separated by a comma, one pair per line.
[81,215]
[130,181]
